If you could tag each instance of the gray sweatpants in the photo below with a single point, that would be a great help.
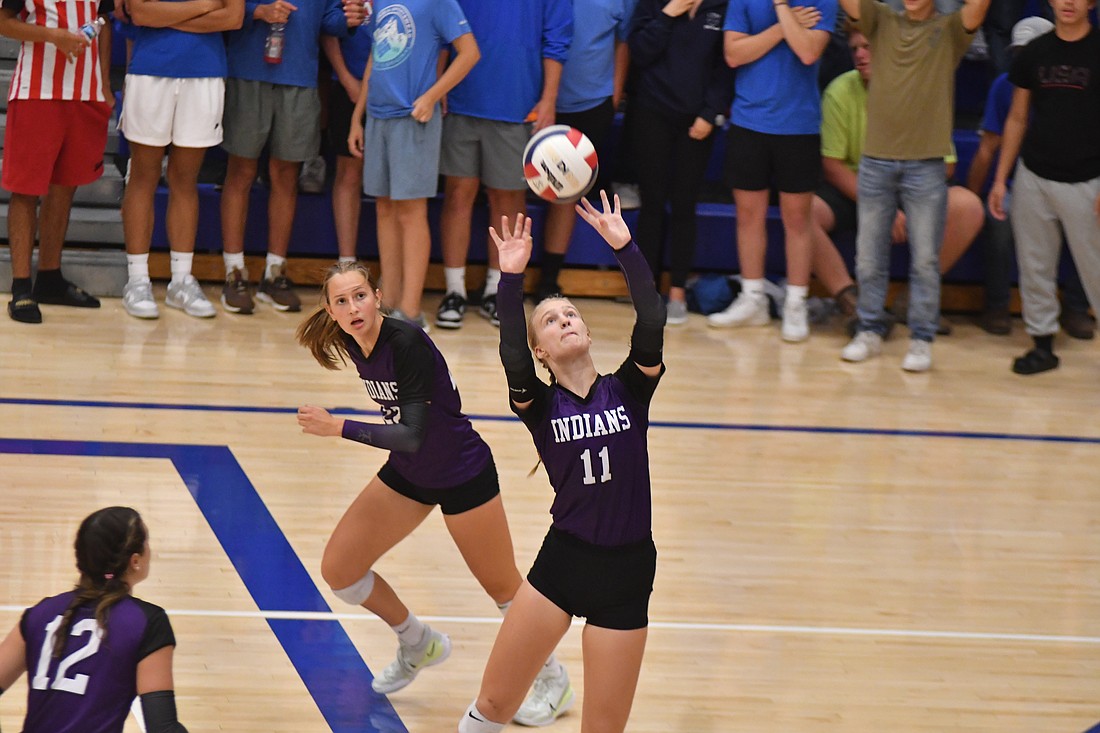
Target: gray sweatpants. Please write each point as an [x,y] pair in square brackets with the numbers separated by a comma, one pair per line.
[1041,210]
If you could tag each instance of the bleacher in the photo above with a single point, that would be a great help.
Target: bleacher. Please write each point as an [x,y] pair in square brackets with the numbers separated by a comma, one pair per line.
[96,224]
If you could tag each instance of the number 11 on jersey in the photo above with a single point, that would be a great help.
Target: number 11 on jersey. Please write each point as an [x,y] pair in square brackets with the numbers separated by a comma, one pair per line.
[605,464]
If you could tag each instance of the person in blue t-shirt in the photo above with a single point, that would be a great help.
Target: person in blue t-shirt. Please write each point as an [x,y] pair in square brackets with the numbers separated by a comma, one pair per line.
[400,144]
[271,101]
[523,47]
[91,650]
[175,89]
[999,243]
[591,88]
[775,140]
[348,58]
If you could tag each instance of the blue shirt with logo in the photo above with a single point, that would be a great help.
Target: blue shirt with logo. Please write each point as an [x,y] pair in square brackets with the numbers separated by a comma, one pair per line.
[408,36]
[776,94]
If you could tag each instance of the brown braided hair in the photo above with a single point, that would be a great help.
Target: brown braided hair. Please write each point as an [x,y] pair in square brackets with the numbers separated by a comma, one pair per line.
[105,542]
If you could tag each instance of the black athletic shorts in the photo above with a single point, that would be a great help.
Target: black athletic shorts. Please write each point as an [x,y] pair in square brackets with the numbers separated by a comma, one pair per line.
[454,500]
[844,209]
[609,586]
[340,108]
[756,161]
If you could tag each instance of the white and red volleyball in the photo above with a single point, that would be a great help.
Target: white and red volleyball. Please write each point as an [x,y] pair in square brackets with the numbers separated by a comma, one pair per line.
[560,163]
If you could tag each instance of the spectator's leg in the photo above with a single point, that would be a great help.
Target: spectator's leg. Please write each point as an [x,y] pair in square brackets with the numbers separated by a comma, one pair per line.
[651,133]
[239,175]
[691,158]
[416,244]
[503,203]
[795,210]
[878,206]
[752,235]
[347,203]
[827,263]
[965,216]
[181,221]
[1038,235]
[281,204]
[389,251]
[137,199]
[456,219]
[924,199]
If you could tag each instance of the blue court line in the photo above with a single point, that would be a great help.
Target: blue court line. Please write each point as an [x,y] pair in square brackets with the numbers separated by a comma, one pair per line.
[1094,729]
[321,652]
[720,426]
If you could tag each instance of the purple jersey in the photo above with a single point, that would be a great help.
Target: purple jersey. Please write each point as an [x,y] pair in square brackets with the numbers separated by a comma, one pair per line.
[405,367]
[596,454]
[89,688]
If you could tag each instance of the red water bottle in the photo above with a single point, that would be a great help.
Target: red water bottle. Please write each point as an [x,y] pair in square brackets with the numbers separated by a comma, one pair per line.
[276,40]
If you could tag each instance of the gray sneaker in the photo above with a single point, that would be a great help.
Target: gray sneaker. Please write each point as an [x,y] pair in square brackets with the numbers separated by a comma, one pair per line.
[435,648]
[137,299]
[676,312]
[550,697]
[187,295]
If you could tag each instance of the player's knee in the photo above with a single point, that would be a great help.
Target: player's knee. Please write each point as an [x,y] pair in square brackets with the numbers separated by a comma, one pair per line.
[355,593]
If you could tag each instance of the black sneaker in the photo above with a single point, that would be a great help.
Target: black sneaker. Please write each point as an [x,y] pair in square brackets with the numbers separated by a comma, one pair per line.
[488,309]
[451,311]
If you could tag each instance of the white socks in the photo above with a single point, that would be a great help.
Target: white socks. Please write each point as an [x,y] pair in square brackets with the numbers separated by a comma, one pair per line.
[274,263]
[410,631]
[456,280]
[752,287]
[797,292]
[233,260]
[181,265]
[137,267]
[473,721]
[492,281]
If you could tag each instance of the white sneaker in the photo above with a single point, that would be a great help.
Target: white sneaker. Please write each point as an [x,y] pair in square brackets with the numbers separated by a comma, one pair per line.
[435,648]
[919,356]
[137,299]
[750,309]
[796,324]
[187,295]
[865,345]
[550,697]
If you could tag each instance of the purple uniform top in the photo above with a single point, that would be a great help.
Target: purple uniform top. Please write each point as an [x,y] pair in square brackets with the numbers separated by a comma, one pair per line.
[406,367]
[596,454]
[89,688]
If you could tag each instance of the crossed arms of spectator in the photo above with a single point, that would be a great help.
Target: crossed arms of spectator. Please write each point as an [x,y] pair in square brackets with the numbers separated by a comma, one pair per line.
[795,26]
[194,16]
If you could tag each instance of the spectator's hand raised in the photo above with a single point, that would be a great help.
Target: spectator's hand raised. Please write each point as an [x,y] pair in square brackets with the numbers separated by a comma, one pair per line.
[514,247]
[806,15]
[609,222]
[276,12]
[700,129]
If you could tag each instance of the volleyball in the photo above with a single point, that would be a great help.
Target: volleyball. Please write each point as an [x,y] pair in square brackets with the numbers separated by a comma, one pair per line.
[560,163]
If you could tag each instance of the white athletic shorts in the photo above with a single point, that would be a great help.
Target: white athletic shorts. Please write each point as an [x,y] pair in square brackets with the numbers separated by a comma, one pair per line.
[158,110]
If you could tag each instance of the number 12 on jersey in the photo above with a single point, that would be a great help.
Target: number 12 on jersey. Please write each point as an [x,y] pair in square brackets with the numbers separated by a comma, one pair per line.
[605,465]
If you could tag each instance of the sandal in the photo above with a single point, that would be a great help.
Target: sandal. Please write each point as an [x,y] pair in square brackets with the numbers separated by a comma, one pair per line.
[1035,361]
[25,310]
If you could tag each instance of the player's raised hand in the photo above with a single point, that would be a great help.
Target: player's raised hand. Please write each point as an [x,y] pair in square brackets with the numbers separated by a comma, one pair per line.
[515,246]
[609,222]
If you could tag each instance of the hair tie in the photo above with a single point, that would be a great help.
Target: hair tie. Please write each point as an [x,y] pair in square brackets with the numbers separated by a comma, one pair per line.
[108,576]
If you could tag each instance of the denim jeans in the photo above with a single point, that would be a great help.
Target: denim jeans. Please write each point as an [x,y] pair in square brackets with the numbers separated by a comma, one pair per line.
[919,188]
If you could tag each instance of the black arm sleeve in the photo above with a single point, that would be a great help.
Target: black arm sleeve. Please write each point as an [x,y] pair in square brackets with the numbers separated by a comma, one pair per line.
[159,709]
[519,367]
[405,436]
[648,339]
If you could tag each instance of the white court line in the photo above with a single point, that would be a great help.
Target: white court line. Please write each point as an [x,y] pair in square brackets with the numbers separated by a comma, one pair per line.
[670,625]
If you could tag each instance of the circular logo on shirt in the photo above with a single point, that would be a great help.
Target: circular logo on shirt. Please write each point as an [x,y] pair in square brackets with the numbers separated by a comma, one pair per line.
[394,35]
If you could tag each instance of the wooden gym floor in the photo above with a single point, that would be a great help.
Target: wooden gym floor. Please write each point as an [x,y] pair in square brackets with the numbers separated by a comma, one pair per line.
[842,547]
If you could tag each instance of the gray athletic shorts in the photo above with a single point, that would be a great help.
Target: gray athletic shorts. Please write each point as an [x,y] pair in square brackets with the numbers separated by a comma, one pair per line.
[401,157]
[288,116]
[487,149]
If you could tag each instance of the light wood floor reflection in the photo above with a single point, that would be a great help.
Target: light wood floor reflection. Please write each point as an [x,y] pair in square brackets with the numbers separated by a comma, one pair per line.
[841,547]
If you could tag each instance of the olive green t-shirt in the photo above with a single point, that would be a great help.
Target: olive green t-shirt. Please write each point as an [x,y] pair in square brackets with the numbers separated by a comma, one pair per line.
[911,102]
